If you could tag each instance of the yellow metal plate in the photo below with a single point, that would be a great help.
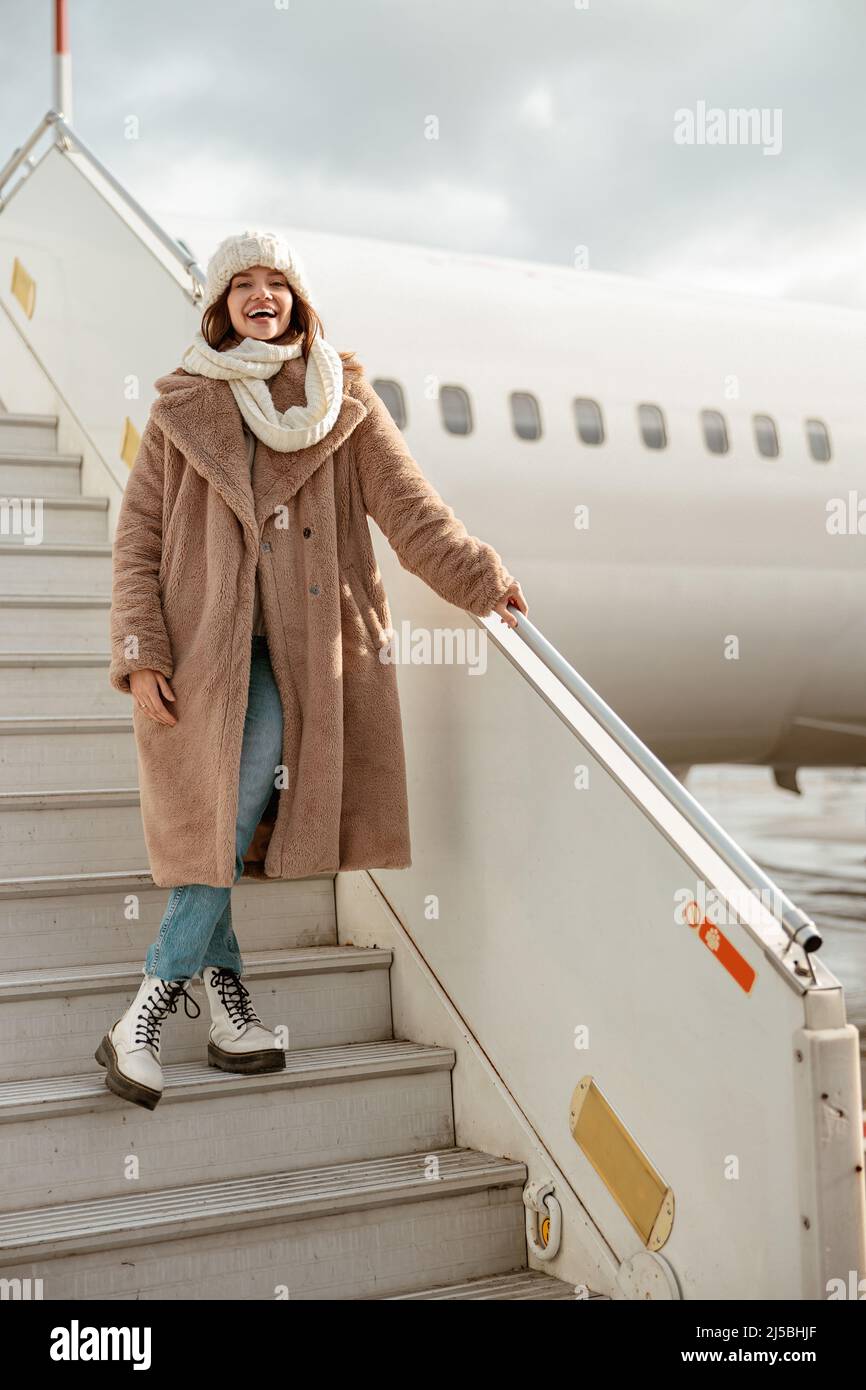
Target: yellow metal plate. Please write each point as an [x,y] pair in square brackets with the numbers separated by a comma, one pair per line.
[23,288]
[130,443]
[637,1188]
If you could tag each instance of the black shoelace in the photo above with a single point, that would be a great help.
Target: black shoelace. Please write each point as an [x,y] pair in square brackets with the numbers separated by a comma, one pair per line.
[154,1011]
[235,997]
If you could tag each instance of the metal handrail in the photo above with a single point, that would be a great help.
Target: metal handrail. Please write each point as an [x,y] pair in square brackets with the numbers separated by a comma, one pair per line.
[67,138]
[797,924]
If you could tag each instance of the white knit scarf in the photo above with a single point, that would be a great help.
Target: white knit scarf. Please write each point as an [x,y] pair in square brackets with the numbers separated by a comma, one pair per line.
[246,369]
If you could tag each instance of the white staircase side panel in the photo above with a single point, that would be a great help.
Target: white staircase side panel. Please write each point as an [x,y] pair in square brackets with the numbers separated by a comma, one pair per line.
[25,388]
[547,911]
[105,374]
[485,1114]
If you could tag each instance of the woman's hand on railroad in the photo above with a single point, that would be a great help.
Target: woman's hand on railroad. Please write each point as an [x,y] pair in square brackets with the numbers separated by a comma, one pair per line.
[513,595]
[149,688]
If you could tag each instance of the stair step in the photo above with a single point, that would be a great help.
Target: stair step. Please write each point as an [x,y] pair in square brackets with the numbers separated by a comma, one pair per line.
[525,1284]
[21,430]
[39,473]
[69,1138]
[71,831]
[60,920]
[55,569]
[345,1231]
[67,752]
[34,622]
[65,520]
[51,1021]
[55,683]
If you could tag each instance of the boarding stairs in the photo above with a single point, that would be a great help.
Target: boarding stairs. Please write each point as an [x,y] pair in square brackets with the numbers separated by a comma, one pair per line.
[314,1181]
[539,1063]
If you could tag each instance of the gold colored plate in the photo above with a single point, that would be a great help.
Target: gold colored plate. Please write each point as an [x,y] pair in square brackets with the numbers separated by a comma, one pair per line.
[629,1176]
[131,442]
[23,288]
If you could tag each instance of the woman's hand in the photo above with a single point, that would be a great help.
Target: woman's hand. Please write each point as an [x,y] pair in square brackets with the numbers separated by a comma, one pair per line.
[514,596]
[148,690]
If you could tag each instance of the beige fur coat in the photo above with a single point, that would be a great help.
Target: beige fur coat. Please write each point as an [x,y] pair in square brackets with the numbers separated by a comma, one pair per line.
[193,530]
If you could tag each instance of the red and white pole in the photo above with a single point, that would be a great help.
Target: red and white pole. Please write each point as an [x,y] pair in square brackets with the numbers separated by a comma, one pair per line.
[62,62]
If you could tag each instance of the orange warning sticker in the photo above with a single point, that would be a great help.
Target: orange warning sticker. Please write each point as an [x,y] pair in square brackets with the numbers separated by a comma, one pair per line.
[724,950]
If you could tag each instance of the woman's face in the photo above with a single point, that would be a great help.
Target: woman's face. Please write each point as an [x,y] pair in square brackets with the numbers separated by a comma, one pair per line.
[259,302]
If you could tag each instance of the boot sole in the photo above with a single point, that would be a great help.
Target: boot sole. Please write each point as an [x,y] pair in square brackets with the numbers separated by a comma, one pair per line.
[272,1059]
[122,1085]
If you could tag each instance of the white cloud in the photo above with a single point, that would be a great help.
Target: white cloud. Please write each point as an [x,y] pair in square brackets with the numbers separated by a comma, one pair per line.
[536,109]
[435,210]
[742,257]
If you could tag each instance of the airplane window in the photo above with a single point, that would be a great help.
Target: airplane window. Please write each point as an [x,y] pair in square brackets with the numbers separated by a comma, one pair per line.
[819,440]
[715,431]
[525,415]
[652,426]
[391,393]
[766,437]
[590,426]
[454,405]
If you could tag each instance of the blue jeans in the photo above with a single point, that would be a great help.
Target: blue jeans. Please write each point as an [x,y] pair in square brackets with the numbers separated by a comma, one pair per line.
[196,929]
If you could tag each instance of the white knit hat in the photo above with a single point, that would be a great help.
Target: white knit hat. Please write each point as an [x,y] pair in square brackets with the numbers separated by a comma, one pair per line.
[252,247]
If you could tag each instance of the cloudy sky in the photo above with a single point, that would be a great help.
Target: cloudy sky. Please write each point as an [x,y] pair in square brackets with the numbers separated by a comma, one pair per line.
[554,124]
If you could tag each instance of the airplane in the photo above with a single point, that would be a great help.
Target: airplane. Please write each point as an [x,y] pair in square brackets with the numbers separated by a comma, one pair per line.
[674,476]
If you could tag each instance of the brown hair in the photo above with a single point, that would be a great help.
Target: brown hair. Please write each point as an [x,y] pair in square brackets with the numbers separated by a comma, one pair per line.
[304,322]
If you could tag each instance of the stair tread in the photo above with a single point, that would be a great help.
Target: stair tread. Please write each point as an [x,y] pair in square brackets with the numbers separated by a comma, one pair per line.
[39,599]
[50,723]
[71,798]
[523,1284]
[96,880]
[27,417]
[103,548]
[51,656]
[40,456]
[298,958]
[273,1196]
[388,1055]
[76,502]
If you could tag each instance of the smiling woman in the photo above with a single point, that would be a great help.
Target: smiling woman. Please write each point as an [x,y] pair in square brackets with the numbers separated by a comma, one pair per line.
[258,303]
[287,741]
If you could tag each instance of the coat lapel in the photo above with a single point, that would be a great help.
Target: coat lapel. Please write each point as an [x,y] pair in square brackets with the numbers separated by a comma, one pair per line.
[201,418]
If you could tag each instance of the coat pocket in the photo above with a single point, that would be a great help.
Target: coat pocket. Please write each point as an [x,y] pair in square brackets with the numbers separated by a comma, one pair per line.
[357,600]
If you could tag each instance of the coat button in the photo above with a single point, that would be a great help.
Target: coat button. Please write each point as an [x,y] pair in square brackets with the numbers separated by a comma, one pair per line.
[314,588]
[307,531]
[266,545]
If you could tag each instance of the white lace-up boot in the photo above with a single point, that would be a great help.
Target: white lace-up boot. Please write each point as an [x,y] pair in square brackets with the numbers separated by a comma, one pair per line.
[238,1040]
[130,1049]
